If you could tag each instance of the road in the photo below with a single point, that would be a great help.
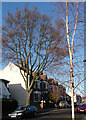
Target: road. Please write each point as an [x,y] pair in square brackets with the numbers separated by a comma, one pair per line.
[58,114]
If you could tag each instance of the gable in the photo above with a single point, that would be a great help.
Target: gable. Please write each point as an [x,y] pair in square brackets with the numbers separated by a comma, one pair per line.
[12,73]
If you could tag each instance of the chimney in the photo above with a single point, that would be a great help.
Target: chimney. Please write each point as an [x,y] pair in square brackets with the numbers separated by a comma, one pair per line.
[22,64]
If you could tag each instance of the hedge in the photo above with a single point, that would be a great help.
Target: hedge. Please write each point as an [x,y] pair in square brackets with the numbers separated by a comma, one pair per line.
[9,104]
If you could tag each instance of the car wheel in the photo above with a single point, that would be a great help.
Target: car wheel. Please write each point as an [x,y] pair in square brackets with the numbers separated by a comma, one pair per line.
[35,114]
[60,107]
[66,106]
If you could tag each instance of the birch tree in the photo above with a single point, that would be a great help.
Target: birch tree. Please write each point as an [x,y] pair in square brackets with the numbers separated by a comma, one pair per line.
[71,15]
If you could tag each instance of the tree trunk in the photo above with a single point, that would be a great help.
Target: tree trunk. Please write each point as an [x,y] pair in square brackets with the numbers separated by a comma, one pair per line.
[73,112]
[27,98]
[72,85]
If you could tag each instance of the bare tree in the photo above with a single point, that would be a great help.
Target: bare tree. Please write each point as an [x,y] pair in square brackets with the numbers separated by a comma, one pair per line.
[70,16]
[27,39]
[56,95]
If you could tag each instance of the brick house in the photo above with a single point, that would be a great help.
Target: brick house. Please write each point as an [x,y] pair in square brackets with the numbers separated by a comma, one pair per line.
[63,92]
[40,88]
[84,100]
[78,99]
[59,91]
[52,85]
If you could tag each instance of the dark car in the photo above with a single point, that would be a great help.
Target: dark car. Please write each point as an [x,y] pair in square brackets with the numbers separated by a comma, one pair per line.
[82,108]
[26,111]
[69,105]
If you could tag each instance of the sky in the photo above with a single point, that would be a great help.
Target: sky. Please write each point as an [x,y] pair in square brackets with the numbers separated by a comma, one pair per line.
[44,7]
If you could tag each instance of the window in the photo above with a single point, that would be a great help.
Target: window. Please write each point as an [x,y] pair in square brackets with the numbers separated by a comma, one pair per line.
[35,85]
[35,97]
[28,107]
[38,83]
[39,97]
[43,85]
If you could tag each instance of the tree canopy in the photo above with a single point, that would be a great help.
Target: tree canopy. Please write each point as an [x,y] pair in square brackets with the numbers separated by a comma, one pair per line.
[31,41]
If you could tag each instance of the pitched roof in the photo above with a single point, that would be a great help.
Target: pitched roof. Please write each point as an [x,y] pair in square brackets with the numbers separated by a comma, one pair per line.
[5,81]
[62,86]
[55,81]
[43,77]
[78,95]
[50,79]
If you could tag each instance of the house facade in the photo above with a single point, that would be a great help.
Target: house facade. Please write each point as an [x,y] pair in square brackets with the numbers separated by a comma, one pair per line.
[52,85]
[68,98]
[84,100]
[77,98]
[41,87]
[4,91]
[16,83]
[63,92]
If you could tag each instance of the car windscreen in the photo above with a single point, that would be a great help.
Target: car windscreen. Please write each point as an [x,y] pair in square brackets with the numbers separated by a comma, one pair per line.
[20,108]
[84,105]
[64,102]
[31,107]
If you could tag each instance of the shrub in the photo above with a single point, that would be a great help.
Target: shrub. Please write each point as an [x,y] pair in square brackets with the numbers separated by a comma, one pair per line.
[9,104]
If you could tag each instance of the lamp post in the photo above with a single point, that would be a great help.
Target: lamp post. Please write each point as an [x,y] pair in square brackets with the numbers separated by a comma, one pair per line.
[85,78]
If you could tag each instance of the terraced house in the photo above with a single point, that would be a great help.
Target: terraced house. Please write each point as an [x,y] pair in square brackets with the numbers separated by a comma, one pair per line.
[41,87]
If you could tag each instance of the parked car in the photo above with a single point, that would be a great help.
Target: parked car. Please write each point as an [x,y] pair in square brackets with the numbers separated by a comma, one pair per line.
[69,105]
[81,108]
[63,104]
[24,112]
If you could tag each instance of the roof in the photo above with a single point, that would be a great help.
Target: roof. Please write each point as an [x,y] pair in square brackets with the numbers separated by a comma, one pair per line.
[67,95]
[78,95]
[55,81]
[43,77]
[51,79]
[83,97]
[62,86]
[5,81]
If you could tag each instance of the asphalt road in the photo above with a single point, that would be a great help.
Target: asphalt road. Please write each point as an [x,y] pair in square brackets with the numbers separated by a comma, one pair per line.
[58,114]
